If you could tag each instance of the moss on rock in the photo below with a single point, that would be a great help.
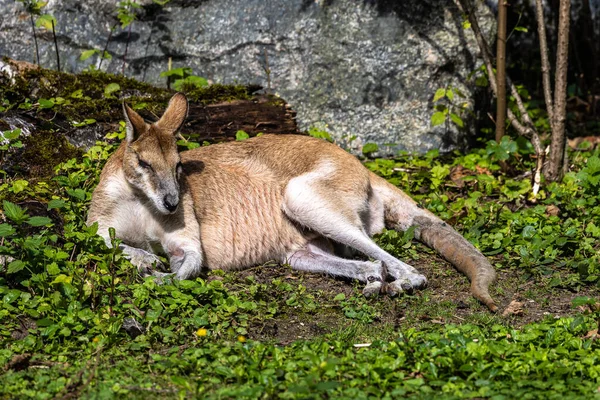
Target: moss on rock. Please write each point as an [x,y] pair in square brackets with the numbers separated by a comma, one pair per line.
[43,150]
[91,97]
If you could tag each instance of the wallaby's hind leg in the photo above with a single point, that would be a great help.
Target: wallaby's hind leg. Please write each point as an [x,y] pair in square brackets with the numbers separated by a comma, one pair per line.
[311,201]
[316,257]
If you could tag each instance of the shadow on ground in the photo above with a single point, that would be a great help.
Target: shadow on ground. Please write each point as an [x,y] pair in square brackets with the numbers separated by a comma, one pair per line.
[317,305]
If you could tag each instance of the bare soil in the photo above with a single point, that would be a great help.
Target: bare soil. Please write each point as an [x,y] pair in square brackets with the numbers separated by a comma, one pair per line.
[447,300]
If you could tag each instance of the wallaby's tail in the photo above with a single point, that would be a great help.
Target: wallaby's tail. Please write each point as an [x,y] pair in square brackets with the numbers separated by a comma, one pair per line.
[401,212]
[462,254]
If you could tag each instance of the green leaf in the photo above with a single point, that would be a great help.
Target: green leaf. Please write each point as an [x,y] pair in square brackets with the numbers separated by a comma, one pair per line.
[111,88]
[6,230]
[15,266]
[87,54]
[19,185]
[369,148]
[457,120]
[87,121]
[46,21]
[77,193]
[53,269]
[177,72]
[56,203]
[319,133]
[521,29]
[39,221]
[14,212]
[65,331]
[482,81]
[439,94]
[241,135]
[78,94]
[593,230]
[12,135]
[438,118]
[62,278]
[45,103]
[196,81]
[340,297]
[582,301]
[450,94]
[528,231]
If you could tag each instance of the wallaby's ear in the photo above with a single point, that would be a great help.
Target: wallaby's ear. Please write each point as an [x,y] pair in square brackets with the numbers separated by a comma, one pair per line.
[175,114]
[135,124]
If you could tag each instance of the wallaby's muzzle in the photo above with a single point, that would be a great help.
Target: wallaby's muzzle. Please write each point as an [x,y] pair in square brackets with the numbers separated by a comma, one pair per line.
[171,201]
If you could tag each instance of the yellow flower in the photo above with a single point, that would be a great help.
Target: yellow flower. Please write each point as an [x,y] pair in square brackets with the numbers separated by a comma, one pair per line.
[96,339]
[201,332]
[241,339]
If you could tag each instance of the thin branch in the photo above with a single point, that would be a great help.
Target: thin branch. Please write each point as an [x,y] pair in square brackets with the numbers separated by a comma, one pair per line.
[126,47]
[147,47]
[106,45]
[483,46]
[37,50]
[519,101]
[55,46]
[267,70]
[545,63]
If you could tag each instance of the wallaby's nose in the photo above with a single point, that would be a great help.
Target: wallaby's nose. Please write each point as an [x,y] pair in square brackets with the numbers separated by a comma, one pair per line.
[171,202]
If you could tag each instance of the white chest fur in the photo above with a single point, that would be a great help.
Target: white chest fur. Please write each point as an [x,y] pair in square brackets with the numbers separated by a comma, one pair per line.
[133,218]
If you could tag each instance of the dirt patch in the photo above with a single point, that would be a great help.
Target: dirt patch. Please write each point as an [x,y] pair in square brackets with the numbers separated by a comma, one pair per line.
[447,300]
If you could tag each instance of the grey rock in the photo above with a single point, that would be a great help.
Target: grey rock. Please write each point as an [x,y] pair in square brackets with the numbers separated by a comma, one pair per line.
[364,70]
[133,327]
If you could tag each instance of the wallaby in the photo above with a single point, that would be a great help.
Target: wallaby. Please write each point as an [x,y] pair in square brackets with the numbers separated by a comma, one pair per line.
[294,199]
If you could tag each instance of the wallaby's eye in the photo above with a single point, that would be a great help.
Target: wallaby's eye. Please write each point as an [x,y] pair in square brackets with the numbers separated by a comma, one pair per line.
[144,164]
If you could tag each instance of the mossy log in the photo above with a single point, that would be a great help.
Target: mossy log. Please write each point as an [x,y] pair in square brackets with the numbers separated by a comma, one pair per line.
[221,121]
[216,112]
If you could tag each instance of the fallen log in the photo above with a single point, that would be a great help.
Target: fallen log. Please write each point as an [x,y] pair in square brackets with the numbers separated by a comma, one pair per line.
[79,108]
[221,121]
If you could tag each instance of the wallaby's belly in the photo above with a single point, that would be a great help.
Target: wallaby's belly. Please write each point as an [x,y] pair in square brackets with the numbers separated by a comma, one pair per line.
[241,219]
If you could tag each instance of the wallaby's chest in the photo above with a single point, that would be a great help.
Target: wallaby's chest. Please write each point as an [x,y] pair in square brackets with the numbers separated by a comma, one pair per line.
[131,216]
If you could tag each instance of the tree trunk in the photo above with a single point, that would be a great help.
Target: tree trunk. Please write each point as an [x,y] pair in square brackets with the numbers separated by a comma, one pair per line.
[501,71]
[557,147]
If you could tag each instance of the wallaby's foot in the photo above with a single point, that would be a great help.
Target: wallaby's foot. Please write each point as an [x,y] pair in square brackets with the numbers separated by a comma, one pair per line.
[407,278]
[406,285]
[373,287]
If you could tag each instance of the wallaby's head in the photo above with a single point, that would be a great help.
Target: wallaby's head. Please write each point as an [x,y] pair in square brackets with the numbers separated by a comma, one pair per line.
[151,162]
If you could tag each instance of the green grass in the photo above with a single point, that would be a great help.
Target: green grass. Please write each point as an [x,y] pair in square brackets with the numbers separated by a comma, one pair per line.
[269,332]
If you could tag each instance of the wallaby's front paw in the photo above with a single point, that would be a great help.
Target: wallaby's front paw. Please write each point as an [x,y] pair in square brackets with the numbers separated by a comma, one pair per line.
[186,264]
[146,262]
[162,277]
